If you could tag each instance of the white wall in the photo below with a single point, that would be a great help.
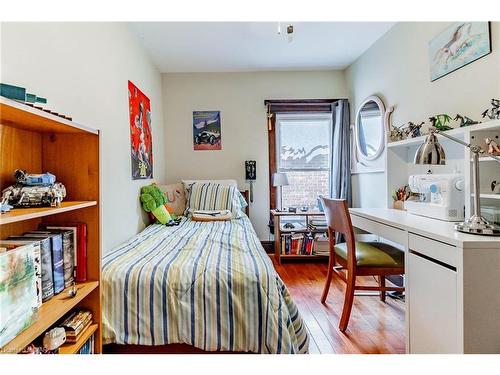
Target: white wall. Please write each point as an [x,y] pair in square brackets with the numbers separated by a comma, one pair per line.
[240,98]
[83,68]
[396,68]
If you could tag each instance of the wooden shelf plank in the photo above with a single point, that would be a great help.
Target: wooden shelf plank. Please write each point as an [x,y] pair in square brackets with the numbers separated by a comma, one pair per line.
[48,314]
[73,348]
[23,116]
[20,214]
[298,213]
[296,256]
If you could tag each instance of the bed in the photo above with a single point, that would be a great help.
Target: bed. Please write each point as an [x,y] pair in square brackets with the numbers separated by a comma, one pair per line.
[209,285]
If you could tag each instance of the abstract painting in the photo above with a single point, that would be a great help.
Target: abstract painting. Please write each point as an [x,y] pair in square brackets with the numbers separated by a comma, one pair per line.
[140,133]
[206,130]
[457,46]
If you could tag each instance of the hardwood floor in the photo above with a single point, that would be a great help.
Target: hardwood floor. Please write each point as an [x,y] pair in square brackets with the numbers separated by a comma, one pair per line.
[374,327]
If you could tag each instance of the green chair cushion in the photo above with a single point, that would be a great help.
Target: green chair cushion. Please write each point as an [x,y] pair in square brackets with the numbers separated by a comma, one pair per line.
[373,254]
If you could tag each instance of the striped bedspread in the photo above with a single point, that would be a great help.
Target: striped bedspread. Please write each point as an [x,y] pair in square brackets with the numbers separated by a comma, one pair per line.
[206,284]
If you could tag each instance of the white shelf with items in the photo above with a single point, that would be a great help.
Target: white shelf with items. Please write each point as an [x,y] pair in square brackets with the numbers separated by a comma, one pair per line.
[400,155]
[457,132]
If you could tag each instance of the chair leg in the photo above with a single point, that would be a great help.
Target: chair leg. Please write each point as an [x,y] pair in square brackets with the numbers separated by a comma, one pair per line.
[381,281]
[331,264]
[348,300]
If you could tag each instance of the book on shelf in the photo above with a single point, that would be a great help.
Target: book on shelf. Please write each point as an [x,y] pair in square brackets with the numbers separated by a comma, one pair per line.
[46,264]
[321,245]
[318,224]
[56,249]
[67,250]
[79,238]
[18,291]
[88,347]
[297,244]
[15,243]
[76,323]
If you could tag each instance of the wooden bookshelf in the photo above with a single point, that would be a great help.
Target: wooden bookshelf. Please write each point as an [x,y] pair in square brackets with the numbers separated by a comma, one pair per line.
[38,142]
[279,231]
[73,348]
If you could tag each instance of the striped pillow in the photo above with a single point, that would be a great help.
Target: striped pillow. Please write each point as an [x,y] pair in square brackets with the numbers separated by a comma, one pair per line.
[209,196]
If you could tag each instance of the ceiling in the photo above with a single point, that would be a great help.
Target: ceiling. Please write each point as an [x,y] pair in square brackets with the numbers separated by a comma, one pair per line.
[255,46]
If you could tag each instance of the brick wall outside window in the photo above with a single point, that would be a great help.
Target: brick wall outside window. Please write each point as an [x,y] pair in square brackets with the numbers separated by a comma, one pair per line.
[304,188]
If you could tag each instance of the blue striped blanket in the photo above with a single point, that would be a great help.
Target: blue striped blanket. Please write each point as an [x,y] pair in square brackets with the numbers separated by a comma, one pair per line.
[206,284]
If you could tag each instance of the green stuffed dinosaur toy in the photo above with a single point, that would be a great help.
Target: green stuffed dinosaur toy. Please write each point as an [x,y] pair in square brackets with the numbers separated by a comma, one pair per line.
[153,200]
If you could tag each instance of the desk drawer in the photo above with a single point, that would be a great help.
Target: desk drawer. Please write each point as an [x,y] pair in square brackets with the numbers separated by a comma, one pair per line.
[385,231]
[433,249]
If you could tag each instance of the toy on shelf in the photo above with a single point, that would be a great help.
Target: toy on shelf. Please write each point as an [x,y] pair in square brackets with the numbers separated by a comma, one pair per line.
[33,190]
[412,130]
[465,121]
[396,133]
[440,122]
[153,200]
[492,113]
[493,148]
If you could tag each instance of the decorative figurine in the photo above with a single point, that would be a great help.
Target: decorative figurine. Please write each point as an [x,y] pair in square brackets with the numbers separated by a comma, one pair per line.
[396,134]
[54,338]
[494,112]
[440,121]
[465,121]
[495,187]
[413,130]
[72,291]
[493,148]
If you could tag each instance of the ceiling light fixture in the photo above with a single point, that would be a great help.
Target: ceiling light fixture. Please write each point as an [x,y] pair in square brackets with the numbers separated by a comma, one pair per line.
[289,33]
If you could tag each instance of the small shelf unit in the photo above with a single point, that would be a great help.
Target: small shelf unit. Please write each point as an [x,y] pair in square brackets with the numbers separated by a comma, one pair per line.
[279,231]
[36,141]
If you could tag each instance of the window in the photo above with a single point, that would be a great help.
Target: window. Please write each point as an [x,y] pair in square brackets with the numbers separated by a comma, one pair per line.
[303,150]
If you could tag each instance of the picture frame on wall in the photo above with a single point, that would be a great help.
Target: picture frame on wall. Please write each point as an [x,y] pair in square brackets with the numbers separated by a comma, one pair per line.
[141,138]
[207,130]
[459,45]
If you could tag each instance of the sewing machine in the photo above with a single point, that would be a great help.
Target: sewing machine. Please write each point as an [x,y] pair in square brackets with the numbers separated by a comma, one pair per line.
[440,196]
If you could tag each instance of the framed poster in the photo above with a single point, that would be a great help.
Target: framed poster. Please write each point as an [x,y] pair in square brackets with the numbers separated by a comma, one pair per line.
[206,130]
[141,143]
[457,46]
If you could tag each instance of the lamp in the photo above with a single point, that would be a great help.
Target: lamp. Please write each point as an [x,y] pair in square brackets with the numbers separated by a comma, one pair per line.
[279,180]
[431,152]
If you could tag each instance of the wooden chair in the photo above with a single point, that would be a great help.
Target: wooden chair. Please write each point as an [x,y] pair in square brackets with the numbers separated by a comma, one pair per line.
[357,258]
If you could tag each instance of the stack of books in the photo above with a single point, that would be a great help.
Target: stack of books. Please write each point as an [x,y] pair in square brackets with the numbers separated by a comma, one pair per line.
[76,323]
[318,224]
[321,245]
[297,244]
[60,256]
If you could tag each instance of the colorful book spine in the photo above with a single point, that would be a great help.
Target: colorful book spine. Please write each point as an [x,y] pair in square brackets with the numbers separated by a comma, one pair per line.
[79,231]
[57,252]
[57,263]
[15,242]
[46,264]
[47,275]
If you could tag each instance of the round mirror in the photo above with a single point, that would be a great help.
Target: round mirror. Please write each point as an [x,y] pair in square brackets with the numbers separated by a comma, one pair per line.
[370,136]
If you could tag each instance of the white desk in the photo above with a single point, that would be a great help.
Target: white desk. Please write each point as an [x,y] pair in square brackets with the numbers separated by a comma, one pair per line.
[452,281]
